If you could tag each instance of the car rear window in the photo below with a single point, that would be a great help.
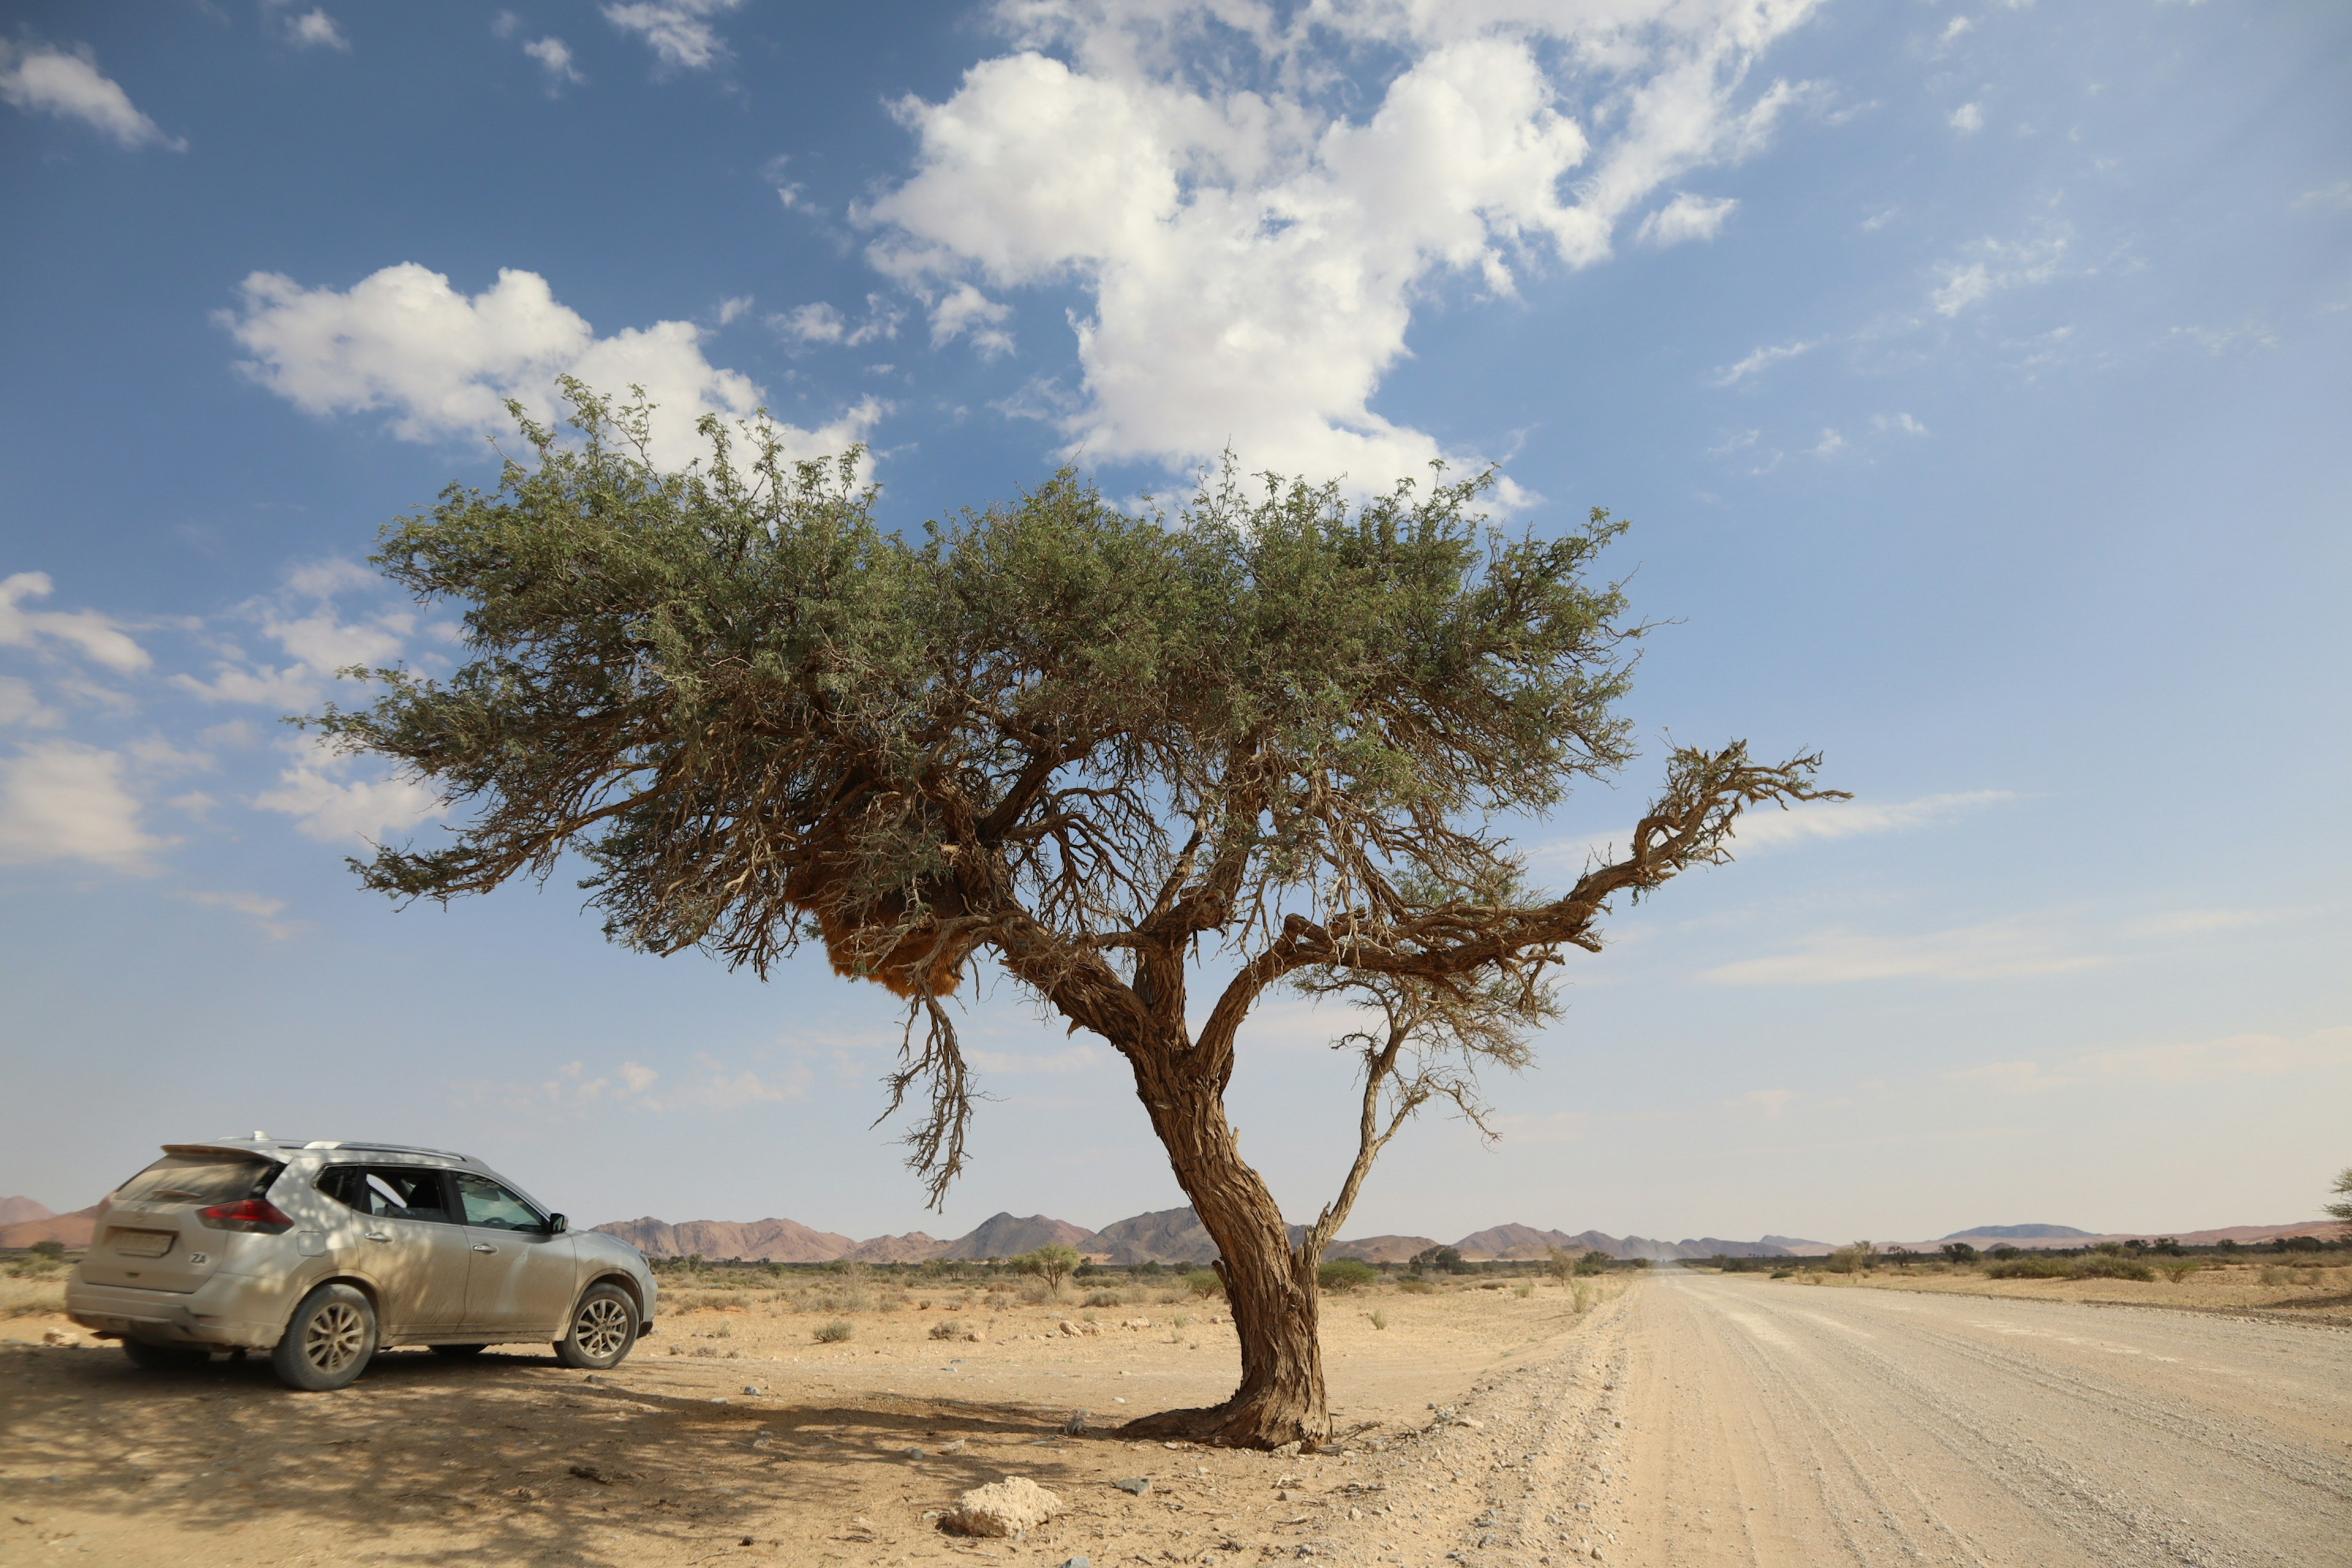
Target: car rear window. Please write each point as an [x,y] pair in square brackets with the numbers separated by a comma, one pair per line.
[200,1179]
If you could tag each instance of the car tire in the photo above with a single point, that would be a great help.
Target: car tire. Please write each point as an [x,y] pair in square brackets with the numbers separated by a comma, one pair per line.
[602,1328]
[165,1358]
[328,1341]
[459,1352]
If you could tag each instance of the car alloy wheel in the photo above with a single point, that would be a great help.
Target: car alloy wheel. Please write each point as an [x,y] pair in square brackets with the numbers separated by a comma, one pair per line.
[334,1338]
[603,1328]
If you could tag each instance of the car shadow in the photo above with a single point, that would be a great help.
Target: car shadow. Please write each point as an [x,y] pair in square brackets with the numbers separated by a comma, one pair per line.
[505,1457]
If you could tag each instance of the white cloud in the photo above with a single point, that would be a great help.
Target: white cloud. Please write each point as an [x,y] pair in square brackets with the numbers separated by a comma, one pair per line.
[1967,119]
[678,31]
[2001,264]
[262,910]
[1853,818]
[2189,1062]
[313,634]
[442,364]
[1903,422]
[44,79]
[2337,196]
[316,30]
[97,637]
[332,807]
[822,323]
[1686,218]
[1763,358]
[554,57]
[1829,445]
[61,800]
[965,309]
[730,309]
[716,1086]
[1953,29]
[20,704]
[1253,254]
[1996,950]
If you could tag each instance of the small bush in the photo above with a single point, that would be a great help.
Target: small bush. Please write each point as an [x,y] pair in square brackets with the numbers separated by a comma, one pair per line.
[2107,1265]
[1592,1262]
[2177,1272]
[1582,1295]
[1379,1318]
[1106,1298]
[1524,1289]
[1414,1284]
[1342,1274]
[835,1331]
[1204,1282]
[1782,1273]
[947,1328]
[1182,1321]
[2034,1269]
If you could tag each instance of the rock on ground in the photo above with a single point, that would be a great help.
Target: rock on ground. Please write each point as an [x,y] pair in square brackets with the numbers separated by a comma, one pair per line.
[1005,1509]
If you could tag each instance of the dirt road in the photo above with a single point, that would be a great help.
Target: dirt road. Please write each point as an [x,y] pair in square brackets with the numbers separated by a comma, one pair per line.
[1769,1423]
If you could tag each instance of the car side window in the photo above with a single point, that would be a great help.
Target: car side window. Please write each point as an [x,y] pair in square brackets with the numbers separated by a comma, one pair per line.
[491,1206]
[392,1191]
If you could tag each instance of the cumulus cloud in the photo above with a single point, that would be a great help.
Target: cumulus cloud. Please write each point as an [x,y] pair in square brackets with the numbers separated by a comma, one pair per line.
[965,310]
[61,800]
[44,79]
[1967,118]
[1903,422]
[317,789]
[678,31]
[310,629]
[1252,248]
[96,636]
[1686,218]
[442,363]
[20,704]
[554,57]
[1999,265]
[316,30]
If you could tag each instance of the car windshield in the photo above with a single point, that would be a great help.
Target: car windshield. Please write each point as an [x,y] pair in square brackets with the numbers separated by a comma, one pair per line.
[199,1179]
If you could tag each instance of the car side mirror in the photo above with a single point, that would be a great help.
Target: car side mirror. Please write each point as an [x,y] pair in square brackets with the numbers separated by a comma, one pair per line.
[557,1224]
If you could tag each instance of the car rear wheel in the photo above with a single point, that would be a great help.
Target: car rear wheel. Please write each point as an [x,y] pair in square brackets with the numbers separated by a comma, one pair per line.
[459,1353]
[604,1327]
[165,1358]
[327,1342]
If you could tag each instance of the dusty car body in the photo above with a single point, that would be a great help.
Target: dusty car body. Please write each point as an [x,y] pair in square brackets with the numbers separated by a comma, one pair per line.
[322,1252]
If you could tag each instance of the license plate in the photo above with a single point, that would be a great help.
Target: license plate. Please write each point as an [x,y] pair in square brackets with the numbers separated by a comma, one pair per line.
[143,1243]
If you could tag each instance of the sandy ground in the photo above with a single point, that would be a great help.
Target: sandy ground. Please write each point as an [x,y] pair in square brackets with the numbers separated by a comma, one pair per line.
[2293,1293]
[755,1442]
[1691,1418]
[1782,1425]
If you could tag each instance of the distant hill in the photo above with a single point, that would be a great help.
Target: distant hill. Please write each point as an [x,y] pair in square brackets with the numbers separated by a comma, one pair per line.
[912,1248]
[1004,1235]
[74,1229]
[2024,1233]
[20,1211]
[1168,1236]
[759,1240]
[1381,1248]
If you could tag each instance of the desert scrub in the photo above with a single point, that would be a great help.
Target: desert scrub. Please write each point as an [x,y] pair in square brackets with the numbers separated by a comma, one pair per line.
[835,1331]
[1582,1296]
[1379,1318]
[2179,1270]
[1414,1285]
[2106,1265]
[1106,1298]
[1523,1289]
[21,1297]
[1204,1282]
[2032,1269]
[1344,1274]
[947,1328]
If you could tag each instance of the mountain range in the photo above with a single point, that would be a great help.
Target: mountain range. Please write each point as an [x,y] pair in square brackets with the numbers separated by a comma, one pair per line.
[1168,1236]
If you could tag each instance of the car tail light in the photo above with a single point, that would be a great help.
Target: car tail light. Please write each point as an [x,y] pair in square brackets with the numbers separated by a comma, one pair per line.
[248,1214]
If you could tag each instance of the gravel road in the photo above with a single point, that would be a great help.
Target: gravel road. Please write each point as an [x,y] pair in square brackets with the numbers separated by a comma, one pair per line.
[1768,1424]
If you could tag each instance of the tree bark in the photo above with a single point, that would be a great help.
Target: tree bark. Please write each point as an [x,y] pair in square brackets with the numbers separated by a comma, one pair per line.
[1269,1283]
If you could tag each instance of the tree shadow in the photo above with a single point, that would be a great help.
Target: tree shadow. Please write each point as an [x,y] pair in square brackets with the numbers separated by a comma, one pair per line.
[503,1457]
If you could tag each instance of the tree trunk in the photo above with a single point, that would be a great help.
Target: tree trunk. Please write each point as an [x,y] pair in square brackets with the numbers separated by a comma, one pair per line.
[1269,1283]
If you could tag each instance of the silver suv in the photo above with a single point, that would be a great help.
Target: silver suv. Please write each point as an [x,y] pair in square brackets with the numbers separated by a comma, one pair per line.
[322,1252]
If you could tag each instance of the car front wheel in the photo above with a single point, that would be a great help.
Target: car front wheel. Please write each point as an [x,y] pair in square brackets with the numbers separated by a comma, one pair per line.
[327,1342]
[604,1327]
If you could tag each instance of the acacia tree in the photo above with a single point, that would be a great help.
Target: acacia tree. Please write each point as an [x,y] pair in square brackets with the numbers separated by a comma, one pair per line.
[1263,743]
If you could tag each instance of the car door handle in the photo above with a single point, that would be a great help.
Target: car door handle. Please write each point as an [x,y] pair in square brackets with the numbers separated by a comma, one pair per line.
[484,1247]
[377,1235]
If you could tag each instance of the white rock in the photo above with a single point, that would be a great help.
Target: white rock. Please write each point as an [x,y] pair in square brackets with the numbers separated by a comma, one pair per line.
[1003,1509]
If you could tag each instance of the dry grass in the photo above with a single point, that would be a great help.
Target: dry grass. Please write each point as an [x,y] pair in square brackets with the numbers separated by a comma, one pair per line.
[23,1297]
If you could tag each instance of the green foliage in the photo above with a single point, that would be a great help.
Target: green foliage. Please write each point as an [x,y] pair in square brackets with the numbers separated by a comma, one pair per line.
[1440,1260]
[52,1250]
[2299,1244]
[2342,1209]
[1958,1252]
[1052,1263]
[2030,1267]
[1343,1274]
[1204,1282]
[1593,1261]
[1853,1258]
[2107,1265]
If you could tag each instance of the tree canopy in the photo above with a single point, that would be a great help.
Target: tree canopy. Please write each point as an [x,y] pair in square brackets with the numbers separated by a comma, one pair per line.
[1091,746]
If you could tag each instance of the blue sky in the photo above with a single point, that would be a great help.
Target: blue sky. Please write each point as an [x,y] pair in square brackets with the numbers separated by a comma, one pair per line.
[1974,376]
